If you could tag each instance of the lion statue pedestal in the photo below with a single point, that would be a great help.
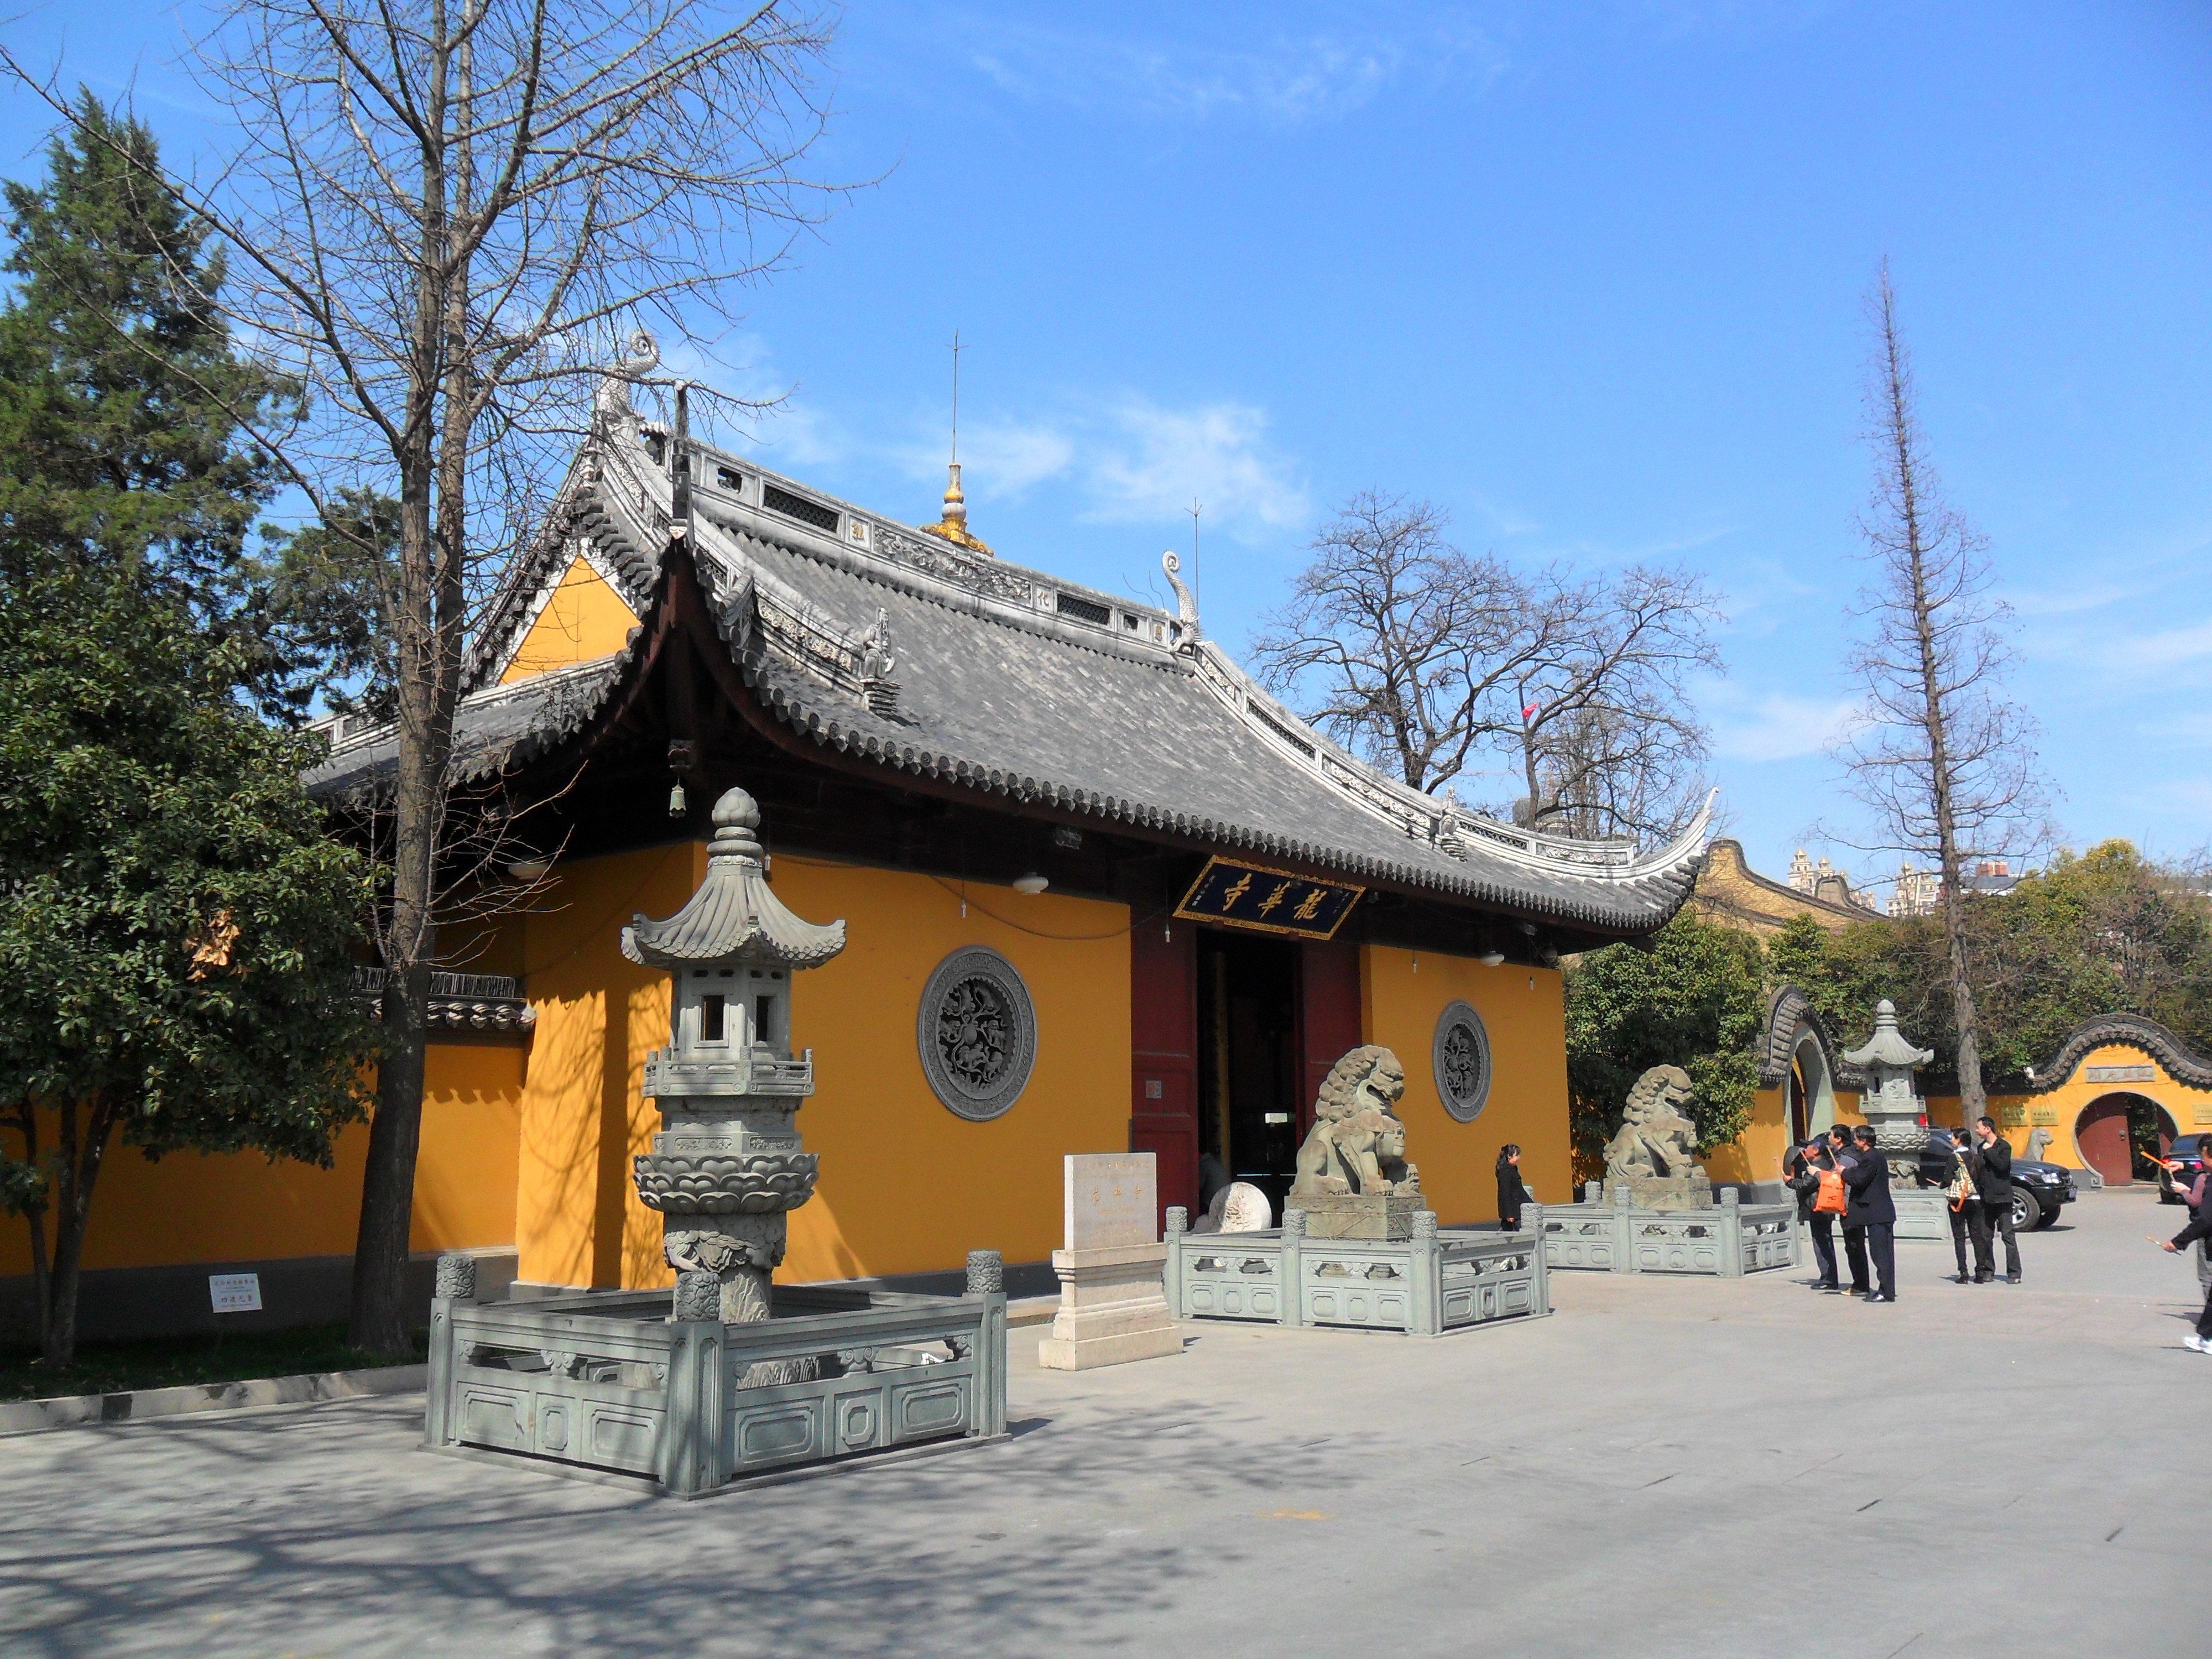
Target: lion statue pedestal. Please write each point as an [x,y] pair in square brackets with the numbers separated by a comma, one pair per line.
[1652,1157]
[1353,1180]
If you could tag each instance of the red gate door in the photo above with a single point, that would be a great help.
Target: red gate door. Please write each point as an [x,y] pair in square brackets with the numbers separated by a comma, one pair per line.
[2101,1133]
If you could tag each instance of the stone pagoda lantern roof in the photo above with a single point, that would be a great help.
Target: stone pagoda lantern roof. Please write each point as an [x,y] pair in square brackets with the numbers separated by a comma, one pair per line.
[734,918]
[1889,1047]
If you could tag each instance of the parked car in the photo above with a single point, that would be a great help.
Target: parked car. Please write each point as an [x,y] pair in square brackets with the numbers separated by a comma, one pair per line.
[2039,1189]
[2189,1151]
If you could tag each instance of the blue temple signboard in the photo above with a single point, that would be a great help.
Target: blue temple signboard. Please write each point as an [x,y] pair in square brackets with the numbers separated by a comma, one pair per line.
[1239,895]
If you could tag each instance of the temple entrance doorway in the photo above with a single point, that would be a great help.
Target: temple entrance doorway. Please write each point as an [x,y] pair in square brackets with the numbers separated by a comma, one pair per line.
[2119,1135]
[1247,1048]
[1812,1096]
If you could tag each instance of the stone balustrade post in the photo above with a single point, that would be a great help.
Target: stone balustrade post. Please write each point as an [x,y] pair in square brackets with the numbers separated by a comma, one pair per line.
[1731,1228]
[1178,1226]
[1425,1277]
[987,1278]
[1292,1268]
[455,1285]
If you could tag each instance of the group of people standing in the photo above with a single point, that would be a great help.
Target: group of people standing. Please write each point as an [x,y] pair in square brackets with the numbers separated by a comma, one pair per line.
[1842,1177]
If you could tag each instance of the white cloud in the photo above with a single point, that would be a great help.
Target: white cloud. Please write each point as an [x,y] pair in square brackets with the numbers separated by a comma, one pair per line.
[785,428]
[1776,726]
[1134,461]
[1151,463]
[1285,79]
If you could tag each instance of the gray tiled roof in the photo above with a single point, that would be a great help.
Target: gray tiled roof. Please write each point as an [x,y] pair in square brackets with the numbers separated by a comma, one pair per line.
[1017,684]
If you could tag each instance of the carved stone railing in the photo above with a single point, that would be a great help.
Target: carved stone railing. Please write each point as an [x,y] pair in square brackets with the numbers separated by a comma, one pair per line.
[1726,1241]
[605,1382]
[666,1076]
[1433,1282]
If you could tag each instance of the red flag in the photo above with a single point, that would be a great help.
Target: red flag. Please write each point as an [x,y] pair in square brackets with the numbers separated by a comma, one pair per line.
[1530,710]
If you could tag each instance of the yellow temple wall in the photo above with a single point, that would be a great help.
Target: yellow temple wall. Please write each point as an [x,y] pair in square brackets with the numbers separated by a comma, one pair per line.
[2059,1109]
[583,619]
[1524,1010]
[1756,1154]
[906,1185]
[239,1206]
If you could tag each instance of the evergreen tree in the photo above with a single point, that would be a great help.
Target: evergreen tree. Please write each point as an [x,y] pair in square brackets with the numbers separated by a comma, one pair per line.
[1692,996]
[177,930]
[126,415]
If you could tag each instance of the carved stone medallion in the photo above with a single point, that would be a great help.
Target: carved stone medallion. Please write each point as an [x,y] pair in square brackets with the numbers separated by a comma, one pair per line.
[1460,1059]
[978,1033]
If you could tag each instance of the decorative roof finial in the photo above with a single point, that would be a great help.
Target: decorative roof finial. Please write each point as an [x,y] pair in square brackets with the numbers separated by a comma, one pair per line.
[953,526]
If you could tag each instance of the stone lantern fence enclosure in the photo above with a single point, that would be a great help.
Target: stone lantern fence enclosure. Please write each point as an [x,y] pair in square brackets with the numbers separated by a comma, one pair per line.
[732,1377]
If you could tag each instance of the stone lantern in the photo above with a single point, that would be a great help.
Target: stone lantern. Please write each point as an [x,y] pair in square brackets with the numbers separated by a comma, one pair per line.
[1891,1103]
[727,1167]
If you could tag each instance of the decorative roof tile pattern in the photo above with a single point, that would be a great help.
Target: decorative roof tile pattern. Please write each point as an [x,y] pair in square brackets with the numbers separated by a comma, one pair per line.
[1014,684]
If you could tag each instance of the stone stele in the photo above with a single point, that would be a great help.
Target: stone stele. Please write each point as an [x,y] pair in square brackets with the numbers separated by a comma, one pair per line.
[1652,1156]
[1353,1180]
[1112,1306]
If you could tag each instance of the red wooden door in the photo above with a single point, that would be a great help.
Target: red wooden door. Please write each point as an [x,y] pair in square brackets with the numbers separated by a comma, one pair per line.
[2101,1133]
[1329,1013]
[1163,1059]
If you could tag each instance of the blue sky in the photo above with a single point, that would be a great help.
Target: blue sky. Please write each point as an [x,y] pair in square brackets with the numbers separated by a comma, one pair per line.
[1588,276]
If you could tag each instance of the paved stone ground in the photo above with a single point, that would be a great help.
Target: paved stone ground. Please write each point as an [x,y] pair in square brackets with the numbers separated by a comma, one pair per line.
[1664,1467]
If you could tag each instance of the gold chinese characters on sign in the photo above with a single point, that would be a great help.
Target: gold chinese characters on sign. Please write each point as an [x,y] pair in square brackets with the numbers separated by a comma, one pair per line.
[1269,901]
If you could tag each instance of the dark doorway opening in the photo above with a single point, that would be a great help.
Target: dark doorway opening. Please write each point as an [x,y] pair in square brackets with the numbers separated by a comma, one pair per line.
[1248,1069]
[2120,1136]
[1800,1114]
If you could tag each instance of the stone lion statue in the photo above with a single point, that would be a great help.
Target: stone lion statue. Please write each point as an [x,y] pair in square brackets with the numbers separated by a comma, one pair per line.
[1654,1140]
[1357,1144]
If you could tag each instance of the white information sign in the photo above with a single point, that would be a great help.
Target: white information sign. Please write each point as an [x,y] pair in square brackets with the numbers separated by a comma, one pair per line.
[235,1292]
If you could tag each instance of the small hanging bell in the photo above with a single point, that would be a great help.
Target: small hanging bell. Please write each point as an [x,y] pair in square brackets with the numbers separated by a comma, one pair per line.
[677,806]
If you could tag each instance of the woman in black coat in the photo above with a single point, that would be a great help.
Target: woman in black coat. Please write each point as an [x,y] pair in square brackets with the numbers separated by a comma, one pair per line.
[1511,1194]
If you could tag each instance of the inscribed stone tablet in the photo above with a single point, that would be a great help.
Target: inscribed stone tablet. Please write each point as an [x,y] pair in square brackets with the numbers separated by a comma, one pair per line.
[1111,1200]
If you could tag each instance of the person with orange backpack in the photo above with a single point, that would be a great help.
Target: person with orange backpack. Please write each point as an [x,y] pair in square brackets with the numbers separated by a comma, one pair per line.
[1817,1180]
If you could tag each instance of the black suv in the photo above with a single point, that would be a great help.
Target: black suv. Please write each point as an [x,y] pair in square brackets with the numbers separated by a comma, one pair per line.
[2038,1188]
[2189,1151]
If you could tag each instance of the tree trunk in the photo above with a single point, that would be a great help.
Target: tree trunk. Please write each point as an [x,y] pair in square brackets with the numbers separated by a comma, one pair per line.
[1935,718]
[425,690]
[80,1171]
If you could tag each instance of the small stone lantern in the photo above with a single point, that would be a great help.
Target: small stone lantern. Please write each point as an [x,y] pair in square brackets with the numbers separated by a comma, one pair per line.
[727,1166]
[1891,1103]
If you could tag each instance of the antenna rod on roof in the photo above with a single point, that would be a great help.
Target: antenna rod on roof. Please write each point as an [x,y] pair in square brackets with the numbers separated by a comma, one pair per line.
[1194,546]
[957,348]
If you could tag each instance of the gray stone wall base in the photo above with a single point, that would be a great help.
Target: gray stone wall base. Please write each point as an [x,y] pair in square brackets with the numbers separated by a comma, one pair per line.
[1924,1216]
[1727,1241]
[77,1410]
[121,1305]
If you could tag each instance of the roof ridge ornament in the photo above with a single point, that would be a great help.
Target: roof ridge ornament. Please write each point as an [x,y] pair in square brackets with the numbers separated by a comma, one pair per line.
[611,404]
[734,916]
[1186,601]
[953,526]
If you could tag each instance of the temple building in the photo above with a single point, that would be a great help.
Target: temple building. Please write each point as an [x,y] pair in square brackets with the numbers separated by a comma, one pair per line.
[1102,892]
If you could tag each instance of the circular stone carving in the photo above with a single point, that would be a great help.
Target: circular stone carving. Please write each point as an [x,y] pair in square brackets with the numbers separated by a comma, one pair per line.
[1460,1059]
[978,1033]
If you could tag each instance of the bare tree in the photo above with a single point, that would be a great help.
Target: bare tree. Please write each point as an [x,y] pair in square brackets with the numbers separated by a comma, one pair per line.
[443,212]
[1400,640]
[1610,743]
[1435,665]
[1946,763]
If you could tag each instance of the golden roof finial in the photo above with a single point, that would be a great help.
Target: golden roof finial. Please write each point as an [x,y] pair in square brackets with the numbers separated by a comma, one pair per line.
[953,526]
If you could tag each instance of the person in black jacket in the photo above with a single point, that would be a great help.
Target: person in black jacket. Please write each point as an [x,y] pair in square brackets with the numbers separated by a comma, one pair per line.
[1992,1171]
[1842,1154]
[1802,1169]
[2200,1226]
[1870,1209]
[1511,1194]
